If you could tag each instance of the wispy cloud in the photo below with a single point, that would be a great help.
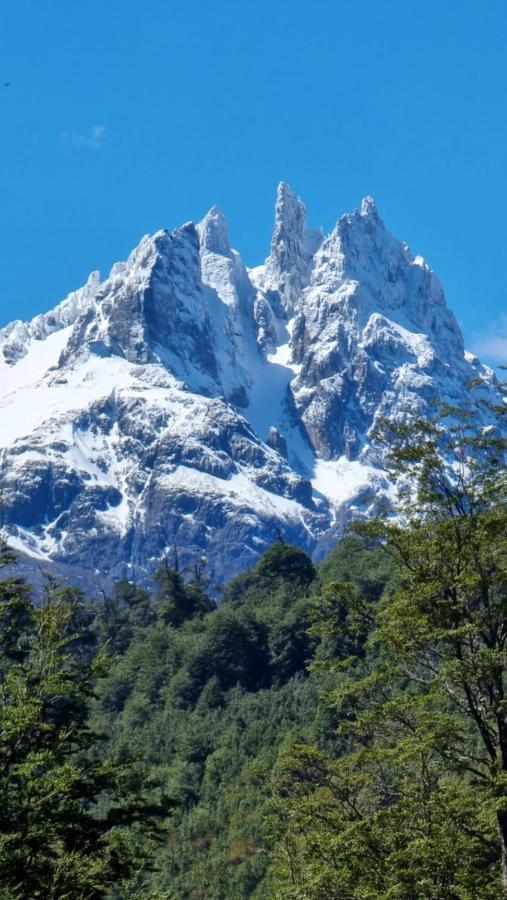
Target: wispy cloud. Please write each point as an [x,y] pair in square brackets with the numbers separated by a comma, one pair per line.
[92,139]
[491,345]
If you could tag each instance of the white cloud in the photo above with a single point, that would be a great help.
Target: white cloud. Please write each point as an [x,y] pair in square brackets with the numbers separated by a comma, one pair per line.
[491,345]
[92,139]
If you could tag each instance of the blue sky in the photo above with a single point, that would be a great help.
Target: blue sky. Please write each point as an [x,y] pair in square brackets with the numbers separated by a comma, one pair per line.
[122,118]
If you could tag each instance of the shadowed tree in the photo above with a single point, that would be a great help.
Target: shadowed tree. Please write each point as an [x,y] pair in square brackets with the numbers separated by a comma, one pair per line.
[72,823]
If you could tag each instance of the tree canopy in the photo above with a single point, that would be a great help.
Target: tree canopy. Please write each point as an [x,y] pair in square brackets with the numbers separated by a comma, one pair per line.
[72,823]
[409,796]
[337,731]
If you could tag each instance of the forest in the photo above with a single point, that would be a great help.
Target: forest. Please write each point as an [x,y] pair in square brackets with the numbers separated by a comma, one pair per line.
[310,731]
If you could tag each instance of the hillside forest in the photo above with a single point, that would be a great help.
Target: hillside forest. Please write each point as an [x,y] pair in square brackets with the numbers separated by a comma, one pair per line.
[325,732]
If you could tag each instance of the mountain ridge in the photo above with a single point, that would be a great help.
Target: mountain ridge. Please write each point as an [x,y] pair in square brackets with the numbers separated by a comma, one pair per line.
[189,400]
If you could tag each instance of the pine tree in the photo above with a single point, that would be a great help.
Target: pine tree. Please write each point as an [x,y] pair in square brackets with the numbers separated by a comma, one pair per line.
[72,824]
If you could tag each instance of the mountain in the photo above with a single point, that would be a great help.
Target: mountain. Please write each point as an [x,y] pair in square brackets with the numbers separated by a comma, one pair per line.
[187,400]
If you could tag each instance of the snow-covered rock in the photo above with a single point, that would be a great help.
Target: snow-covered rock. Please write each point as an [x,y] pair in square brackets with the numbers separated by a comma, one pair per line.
[189,401]
[288,267]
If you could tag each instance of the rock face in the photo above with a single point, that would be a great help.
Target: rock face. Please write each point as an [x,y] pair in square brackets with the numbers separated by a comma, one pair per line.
[188,400]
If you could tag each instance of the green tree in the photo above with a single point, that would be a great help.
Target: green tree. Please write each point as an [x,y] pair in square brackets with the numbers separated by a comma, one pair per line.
[208,704]
[178,600]
[288,563]
[412,802]
[72,824]
[118,614]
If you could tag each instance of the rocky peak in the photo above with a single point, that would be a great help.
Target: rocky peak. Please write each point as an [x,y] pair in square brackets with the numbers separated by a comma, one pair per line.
[214,233]
[369,208]
[373,324]
[151,306]
[188,399]
[292,248]
[374,273]
[290,226]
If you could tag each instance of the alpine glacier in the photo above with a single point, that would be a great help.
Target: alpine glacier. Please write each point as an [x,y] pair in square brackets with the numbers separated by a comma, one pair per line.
[187,400]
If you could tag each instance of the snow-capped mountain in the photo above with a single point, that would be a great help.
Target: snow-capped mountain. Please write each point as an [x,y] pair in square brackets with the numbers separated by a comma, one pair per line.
[188,400]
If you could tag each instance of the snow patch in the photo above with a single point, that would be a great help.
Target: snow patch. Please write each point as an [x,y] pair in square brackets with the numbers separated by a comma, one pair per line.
[340,480]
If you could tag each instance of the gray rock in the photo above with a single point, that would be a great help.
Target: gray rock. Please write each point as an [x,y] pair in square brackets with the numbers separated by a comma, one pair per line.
[188,400]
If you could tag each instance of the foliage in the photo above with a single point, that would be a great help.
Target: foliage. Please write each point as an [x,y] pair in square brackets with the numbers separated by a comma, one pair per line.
[71,824]
[350,716]
[410,798]
[177,600]
[209,698]
[129,607]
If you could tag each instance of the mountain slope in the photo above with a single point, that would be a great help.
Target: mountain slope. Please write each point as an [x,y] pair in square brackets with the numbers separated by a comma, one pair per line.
[187,400]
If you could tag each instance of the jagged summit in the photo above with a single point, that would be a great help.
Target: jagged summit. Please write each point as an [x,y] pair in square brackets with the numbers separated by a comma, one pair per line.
[290,221]
[188,399]
[369,208]
[292,247]
[214,233]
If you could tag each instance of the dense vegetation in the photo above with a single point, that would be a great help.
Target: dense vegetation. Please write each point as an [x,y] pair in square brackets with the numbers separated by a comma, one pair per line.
[409,798]
[209,700]
[72,823]
[338,732]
